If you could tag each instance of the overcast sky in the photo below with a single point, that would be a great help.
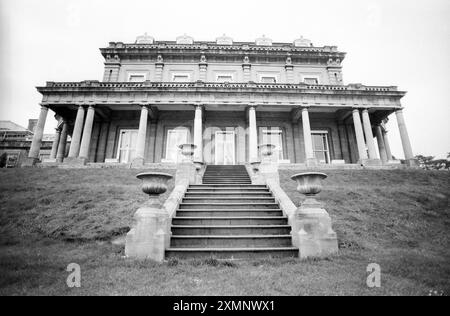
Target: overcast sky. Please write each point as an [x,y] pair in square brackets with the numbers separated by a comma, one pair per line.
[389,42]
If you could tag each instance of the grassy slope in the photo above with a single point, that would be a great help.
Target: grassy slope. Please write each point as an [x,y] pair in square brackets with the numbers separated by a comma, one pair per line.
[51,217]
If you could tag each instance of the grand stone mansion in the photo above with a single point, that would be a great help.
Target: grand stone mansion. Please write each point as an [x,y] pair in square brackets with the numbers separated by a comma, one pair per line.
[227,98]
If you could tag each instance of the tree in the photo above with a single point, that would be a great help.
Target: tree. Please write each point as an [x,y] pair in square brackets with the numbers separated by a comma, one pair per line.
[429,163]
[3,159]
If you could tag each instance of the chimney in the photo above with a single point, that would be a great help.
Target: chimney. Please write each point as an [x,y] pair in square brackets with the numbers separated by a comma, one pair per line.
[32,125]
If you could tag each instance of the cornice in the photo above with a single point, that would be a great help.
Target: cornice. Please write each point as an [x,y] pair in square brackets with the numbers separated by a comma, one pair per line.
[199,86]
[211,48]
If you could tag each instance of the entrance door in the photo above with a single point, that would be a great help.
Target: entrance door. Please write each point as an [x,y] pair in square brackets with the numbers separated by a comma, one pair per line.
[127,146]
[224,143]
[320,146]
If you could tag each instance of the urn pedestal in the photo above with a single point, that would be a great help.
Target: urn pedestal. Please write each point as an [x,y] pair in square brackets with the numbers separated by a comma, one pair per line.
[269,166]
[313,233]
[186,170]
[151,230]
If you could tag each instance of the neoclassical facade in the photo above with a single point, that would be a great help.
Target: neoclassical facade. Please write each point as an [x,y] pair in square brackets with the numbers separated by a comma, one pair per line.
[227,98]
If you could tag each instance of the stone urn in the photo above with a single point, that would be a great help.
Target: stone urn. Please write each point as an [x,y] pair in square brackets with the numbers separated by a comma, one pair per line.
[266,151]
[154,184]
[187,150]
[255,166]
[309,183]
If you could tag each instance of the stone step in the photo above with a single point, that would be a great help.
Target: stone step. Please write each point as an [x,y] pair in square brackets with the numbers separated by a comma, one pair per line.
[246,186]
[216,199]
[230,194]
[250,206]
[231,230]
[224,182]
[232,253]
[250,241]
[227,220]
[227,189]
[228,212]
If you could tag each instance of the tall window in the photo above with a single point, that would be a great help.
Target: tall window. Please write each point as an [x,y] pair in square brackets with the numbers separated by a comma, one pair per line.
[127,145]
[320,146]
[175,137]
[274,136]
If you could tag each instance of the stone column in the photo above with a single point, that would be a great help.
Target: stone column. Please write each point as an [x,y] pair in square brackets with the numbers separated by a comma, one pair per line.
[198,133]
[381,146]
[55,144]
[35,148]
[407,149]
[387,145]
[253,134]
[87,133]
[369,135]
[62,143]
[141,138]
[309,152]
[76,135]
[359,136]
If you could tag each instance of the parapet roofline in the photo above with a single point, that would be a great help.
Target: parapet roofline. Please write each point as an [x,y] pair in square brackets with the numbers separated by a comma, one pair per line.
[203,46]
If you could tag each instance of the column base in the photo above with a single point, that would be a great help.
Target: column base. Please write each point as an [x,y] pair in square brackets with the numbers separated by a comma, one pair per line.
[370,162]
[75,161]
[30,162]
[412,163]
[311,162]
[137,163]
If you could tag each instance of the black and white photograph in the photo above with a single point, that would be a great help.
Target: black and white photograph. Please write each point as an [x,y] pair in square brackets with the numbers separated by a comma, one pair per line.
[226,155]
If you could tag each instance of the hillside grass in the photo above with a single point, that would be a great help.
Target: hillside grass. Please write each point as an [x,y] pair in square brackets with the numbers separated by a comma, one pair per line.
[49,218]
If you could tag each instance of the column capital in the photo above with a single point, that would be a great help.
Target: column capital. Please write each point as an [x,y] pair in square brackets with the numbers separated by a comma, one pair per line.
[199,106]
[44,105]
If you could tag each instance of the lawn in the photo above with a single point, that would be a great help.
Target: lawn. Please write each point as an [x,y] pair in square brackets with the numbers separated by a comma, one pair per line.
[52,217]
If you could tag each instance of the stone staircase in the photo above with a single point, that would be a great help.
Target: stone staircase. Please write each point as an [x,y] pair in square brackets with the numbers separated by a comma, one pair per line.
[228,217]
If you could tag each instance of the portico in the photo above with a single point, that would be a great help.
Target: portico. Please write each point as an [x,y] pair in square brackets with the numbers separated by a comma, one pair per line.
[145,122]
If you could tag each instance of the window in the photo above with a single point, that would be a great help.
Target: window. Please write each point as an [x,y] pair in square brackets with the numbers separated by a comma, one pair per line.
[175,137]
[139,77]
[274,136]
[224,78]
[127,145]
[320,146]
[311,80]
[268,79]
[180,77]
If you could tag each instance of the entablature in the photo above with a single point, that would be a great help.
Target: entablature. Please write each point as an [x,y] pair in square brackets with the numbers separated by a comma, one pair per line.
[269,95]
